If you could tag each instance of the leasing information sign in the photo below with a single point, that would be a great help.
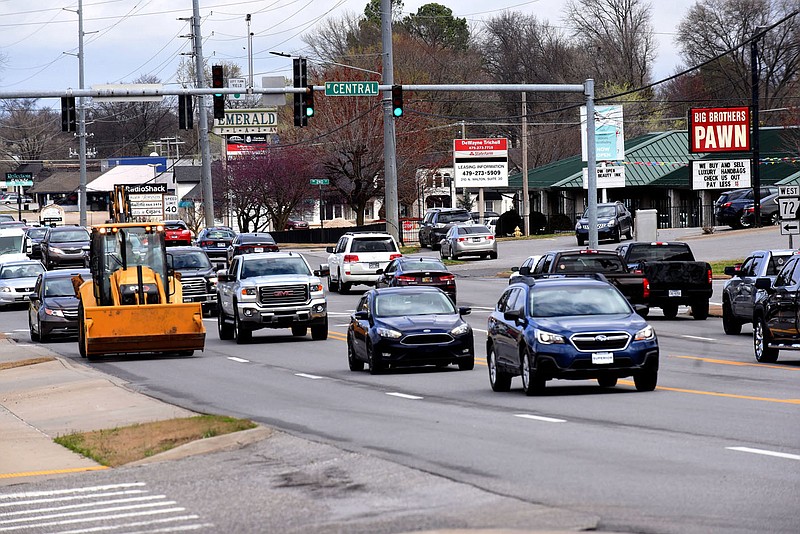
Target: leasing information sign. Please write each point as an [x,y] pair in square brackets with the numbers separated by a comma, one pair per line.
[480,162]
[719,129]
[720,174]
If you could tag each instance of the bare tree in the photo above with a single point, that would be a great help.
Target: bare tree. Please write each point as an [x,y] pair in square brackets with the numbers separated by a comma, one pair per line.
[29,133]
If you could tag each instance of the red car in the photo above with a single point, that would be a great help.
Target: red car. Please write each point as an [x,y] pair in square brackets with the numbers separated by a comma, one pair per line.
[177,233]
[296,224]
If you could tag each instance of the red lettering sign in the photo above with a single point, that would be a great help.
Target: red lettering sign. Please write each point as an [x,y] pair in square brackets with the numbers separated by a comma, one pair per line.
[719,129]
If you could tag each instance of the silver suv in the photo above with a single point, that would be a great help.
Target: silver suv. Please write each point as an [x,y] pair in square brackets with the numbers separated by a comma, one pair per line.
[357,258]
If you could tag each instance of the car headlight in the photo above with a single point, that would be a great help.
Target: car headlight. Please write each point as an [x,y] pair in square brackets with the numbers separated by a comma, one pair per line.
[315,288]
[249,292]
[388,333]
[612,222]
[212,280]
[57,313]
[56,250]
[5,289]
[460,330]
[645,333]
[578,226]
[549,338]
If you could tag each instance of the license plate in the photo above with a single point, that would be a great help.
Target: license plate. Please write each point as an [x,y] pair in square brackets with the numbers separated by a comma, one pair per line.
[427,279]
[476,239]
[259,249]
[674,292]
[220,245]
[374,264]
[602,357]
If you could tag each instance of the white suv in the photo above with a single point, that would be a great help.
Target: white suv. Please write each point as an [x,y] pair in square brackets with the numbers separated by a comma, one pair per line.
[357,258]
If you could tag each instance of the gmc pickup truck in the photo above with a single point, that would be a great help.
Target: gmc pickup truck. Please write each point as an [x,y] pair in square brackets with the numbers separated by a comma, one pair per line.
[270,290]
[634,286]
[675,277]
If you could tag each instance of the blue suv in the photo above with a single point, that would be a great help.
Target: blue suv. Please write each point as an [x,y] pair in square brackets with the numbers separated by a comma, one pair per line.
[571,328]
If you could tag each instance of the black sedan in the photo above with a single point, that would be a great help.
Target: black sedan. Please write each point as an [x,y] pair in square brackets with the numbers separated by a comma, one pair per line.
[35,235]
[53,308]
[249,243]
[215,241]
[403,327]
[405,271]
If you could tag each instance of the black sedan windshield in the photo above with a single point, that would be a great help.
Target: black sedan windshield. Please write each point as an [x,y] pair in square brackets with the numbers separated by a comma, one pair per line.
[412,303]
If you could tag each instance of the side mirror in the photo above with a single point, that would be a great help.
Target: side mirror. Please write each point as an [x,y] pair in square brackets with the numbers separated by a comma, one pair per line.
[379,271]
[515,269]
[223,276]
[763,283]
[361,315]
[33,297]
[464,310]
[732,270]
[513,315]
[524,271]
[329,250]
[324,270]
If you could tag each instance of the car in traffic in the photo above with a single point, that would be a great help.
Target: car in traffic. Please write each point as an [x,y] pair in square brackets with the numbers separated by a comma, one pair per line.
[525,268]
[197,276]
[435,223]
[730,205]
[769,211]
[474,240]
[359,258]
[402,327]
[251,243]
[15,198]
[17,280]
[35,235]
[177,233]
[65,245]
[572,328]
[53,307]
[215,241]
[296,224]
[613,222]
[407,271]
[739,292]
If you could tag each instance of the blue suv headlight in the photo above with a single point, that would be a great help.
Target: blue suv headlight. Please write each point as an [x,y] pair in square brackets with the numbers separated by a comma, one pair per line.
[549,338]
[645,334]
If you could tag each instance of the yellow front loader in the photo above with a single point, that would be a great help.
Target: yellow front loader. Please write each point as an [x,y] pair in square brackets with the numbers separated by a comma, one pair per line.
[133,302]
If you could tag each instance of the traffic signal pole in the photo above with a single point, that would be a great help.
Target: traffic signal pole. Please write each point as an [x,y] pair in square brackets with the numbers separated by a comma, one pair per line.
[202,121]
[389,143]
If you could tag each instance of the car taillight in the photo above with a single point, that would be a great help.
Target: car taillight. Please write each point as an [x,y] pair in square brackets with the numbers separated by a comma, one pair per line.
[350,258]
[489,237]
[206,243]
[710,276]
[448,278]
[749,210]
[727,205]
[645,288]
[405,278]
[393,256]
[246,249]
[460,239]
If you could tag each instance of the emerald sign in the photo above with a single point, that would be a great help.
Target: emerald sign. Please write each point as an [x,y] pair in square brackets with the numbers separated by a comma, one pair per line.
[351,88]
[319,181]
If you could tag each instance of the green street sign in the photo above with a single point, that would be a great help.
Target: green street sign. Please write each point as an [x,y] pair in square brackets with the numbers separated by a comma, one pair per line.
[19,179]
[351,88]
[319,181]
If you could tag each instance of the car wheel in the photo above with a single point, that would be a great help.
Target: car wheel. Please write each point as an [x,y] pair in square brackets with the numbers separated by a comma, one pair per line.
[466,364]
[700,310]
[763,353]
[532,381]
[499,380]
[242,334]
[352,361]
[319,332]
[421,242]
[731,326]
[344,288]
[81,331]
[493,255]
[581,241]
[607,381]
[744,222]
[332,286]
[629,234]
[645,380]
[224,329]
[775,219]
[375,367]
[670,310]
[34,335]
[442,254]
[299,330]
[618,235]
[44,338]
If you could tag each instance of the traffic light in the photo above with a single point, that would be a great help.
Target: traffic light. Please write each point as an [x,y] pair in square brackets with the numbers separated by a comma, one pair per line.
[308,101]
[217,80]
[185,112]
[397,100]
[69,121]
[300,99]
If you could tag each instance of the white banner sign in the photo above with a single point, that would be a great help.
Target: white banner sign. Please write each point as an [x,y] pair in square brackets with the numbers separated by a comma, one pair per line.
[609,134]
[720,174]
[608,176]
[480,162]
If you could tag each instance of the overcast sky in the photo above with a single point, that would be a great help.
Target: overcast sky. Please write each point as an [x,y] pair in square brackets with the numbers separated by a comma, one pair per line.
[125,39]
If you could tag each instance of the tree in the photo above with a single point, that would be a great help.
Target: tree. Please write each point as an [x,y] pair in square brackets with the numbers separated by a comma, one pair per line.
[617,38]
[434,25]
[29,133]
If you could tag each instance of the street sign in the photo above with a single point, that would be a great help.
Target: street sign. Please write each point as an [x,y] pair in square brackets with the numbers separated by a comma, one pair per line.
[790,227]
[481,162]
[789,190]
[170,206]
[351,88]
[238,83]
[787,207]
[19,179]
[319,181]
[247,121]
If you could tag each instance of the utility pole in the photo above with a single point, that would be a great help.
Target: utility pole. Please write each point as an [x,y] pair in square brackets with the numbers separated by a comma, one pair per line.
[205,148]
[389,143]
[526,203]
[754,170]
[81,123]
[591,164]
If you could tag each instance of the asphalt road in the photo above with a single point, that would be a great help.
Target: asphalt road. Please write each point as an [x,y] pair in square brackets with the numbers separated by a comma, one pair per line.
[716,448]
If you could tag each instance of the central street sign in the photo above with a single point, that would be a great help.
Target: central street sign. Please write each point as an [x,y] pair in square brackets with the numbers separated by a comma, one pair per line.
[351,88]
[319,181]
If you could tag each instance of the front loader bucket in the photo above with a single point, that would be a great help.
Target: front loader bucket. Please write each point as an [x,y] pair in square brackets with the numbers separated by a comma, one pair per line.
[146,328]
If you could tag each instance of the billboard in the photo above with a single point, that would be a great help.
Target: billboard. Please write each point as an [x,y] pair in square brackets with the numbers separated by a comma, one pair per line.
[719,129]
[609,133]
[481,162]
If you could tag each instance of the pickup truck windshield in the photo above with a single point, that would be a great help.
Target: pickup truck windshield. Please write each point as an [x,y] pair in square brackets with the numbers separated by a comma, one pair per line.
[587,263]
[274,266]
[660,253]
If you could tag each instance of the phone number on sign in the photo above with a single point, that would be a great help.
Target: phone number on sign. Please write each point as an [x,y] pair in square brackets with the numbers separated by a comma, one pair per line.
[481,173]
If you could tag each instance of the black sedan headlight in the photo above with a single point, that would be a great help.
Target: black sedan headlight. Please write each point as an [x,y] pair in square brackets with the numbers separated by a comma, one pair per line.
[460,330]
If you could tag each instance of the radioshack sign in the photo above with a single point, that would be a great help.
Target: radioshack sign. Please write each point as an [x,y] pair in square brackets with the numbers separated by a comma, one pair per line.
[719,129]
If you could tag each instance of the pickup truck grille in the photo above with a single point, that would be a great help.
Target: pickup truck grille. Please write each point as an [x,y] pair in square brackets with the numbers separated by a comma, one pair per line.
[283,295]
[600,341]
[194,286]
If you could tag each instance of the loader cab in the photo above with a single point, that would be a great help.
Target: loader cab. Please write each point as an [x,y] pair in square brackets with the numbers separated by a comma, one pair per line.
[129,264]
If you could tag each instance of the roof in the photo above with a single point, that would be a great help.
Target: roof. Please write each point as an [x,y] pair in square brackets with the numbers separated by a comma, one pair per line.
[124,174]
[62,181]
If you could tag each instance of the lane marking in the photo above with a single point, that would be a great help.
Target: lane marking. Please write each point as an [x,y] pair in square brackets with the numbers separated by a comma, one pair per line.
[699,338]
[715,394]
[479,330]
[739,364]
[766,453]
[52,472]
[306,375]
[238,360]
[540,418]
[405,396]
[83,505]
[32,494]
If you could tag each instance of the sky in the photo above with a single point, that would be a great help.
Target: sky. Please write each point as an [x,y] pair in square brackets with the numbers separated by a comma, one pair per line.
[126,39]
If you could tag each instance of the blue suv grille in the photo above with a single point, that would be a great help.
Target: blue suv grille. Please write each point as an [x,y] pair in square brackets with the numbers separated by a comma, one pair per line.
[600,341]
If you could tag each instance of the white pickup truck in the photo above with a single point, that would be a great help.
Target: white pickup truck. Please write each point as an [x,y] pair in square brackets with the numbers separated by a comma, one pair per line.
[14,244]
[270,290]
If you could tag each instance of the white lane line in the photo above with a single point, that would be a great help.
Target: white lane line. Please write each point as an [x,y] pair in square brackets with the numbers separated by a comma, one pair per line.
[340,313]
[540,418]
[482,308]
[305,375]
[239,360]
[405,396]
[766,453]
[699,338]
[479,330]
[83,505]
[31,494]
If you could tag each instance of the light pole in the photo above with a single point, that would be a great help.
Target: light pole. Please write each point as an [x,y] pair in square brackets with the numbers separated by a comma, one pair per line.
[326,62]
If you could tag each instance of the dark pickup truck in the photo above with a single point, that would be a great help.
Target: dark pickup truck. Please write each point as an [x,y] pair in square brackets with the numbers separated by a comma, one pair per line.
[674,275]
[776,312]
[634,286]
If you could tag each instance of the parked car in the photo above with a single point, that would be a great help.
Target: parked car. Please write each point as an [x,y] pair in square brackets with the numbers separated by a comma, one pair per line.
[769,211]
[359,258]
[401,327]
[65,245]
[53,308]
[729,207]
[296,224]
[475,240]
[35,235]
[486,216]
[17,280]
[405,271]
[568,328]
[775,313]
[15,198]
[5,217]
[215,241]
[613,221]
[177,233]
[250,243]
[198,276]
[525,268]
[433,227]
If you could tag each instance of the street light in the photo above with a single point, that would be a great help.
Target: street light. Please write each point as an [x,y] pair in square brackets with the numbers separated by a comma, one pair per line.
[327,62]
